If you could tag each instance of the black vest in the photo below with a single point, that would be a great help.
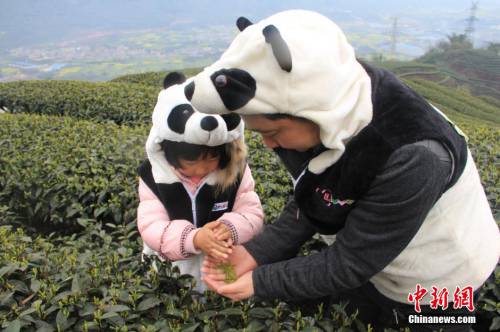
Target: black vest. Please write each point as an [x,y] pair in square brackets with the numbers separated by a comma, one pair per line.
[400,117]
[208,204]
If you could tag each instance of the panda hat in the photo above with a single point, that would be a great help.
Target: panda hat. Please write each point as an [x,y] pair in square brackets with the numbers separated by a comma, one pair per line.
[295,62]
[176,120]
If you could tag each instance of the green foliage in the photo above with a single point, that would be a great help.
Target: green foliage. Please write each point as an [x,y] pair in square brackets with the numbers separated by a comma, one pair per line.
[478,69]
[456,103]
[152,78]
[485,149]
[55,171]
[96,282]
[118,102]
[489,302]
[455,42]
[491,100]
[228,271]
[65,174]
[494,48]
[400,67]
[272,182]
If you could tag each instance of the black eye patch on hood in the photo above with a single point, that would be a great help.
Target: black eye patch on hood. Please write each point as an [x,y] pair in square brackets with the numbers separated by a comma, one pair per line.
[236,87]
[178,117]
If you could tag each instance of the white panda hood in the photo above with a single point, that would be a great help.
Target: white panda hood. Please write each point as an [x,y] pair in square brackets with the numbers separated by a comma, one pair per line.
[296,62]
[176,120]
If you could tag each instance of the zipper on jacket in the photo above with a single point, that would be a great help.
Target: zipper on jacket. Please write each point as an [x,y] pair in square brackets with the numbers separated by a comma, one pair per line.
[193,201]
[295,181]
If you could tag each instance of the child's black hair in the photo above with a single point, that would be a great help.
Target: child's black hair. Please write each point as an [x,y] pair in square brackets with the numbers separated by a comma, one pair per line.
[182,150]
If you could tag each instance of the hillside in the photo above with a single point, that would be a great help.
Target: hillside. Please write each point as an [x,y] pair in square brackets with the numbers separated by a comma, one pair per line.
[475,70]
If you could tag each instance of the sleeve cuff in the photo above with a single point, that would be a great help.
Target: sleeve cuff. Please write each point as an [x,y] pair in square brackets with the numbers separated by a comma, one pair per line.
[187,243]
[259,286]
[232,228]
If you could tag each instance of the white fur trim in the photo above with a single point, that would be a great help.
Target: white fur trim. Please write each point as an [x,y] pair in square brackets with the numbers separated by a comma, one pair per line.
[161,169]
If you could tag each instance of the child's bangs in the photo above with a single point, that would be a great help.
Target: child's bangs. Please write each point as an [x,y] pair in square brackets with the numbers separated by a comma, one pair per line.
[186,151]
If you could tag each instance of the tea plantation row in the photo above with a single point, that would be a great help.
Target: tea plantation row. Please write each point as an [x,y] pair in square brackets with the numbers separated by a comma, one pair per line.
[96,282]
[57,170]
[120,103]
[62,174]
[70,252]
[154,79]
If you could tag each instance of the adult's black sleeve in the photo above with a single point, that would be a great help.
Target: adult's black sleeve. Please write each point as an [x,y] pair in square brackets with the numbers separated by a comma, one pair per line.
[282,239]
[380,226]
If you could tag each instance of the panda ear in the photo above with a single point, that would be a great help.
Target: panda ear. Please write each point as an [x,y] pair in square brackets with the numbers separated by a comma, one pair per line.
[280,48]
[242,23]
[173,78]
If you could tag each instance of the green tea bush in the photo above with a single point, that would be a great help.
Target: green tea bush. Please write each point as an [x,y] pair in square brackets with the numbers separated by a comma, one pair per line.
[60,174]
[154,79]
[485,148]
[56,170]
[453,101]
[120,103]
[96,282]
[272,182]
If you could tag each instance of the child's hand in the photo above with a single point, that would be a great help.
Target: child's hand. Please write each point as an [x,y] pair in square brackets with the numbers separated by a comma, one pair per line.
[223,233]
[206,240]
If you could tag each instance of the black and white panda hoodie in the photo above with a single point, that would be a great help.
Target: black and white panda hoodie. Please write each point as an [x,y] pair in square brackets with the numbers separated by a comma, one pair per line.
[172,207]
[393,179]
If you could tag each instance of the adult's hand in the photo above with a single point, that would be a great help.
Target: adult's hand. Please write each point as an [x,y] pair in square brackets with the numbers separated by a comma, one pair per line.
[238,290]
[242,263]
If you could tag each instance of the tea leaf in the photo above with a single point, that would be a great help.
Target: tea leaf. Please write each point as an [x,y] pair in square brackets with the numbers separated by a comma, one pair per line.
[148,303]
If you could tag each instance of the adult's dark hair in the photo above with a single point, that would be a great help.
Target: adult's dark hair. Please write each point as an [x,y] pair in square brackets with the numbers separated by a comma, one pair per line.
[182,150]
[279,116]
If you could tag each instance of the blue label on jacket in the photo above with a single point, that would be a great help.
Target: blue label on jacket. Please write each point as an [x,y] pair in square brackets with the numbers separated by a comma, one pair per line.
[220,206]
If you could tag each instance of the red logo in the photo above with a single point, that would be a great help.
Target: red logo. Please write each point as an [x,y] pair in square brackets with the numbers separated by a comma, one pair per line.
[461,298]
[439,298]
[328,198]
[417,296]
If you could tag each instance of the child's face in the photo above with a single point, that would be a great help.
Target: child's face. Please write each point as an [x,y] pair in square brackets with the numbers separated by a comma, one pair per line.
[200,167]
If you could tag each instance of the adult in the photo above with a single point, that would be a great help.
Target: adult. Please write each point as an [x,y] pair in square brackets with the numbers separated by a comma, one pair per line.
[373,163]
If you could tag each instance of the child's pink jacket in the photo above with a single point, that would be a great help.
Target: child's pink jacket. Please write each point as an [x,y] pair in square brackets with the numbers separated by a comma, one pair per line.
[173,239]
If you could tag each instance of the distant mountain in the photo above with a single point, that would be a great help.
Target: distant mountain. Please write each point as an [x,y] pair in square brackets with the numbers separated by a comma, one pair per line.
[476,70]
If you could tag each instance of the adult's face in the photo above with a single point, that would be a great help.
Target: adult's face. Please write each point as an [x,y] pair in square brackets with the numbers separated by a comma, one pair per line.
[287,133]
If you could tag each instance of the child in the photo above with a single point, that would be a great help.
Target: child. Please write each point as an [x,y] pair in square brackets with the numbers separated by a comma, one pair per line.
[195,198]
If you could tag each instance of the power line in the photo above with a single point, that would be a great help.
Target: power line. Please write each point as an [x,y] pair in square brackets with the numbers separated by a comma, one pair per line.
[469,30]
[394,36]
